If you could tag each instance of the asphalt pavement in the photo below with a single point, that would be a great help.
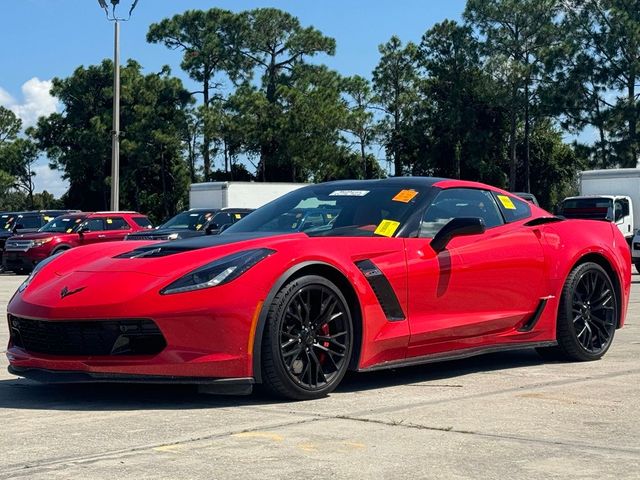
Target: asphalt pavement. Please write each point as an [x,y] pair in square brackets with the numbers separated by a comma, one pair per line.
[507,415]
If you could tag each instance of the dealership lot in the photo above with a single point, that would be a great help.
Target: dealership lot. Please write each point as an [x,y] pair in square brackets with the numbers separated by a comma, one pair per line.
[499,416]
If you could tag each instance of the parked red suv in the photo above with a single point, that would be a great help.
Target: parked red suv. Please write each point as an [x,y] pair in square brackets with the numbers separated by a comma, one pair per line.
[23,252]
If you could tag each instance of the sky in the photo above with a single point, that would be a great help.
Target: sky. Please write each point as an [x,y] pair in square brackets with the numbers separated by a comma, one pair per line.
[43,39]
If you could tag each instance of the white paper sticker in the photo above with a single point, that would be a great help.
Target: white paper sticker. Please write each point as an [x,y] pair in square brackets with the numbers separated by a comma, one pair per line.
[348,193]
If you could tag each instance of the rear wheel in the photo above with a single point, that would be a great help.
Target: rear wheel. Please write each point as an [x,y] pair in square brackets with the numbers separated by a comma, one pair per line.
[587,315]
[308,339]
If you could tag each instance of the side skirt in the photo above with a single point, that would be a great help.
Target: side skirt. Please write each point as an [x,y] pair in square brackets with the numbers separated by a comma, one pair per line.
[456,355]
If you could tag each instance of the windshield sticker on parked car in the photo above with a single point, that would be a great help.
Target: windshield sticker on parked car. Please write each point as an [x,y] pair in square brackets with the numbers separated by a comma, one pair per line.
[109,220]
[348,193]
[387,228]
[506,202]
[405,196]
[69,230]
[198,226]
[238,216]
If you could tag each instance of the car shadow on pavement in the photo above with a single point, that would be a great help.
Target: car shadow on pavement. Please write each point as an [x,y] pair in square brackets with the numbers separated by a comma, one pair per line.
[439,374]
[19,393]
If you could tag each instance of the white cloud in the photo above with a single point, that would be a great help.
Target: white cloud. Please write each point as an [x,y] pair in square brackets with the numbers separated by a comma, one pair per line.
[37,101]
[49,180]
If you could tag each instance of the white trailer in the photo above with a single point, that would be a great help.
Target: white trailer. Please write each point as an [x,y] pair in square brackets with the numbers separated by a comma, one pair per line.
[237,194]
[618,182]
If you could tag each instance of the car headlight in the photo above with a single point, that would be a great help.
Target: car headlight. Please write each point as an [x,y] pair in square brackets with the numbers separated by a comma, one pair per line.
[219,272]
[173,236]
[41,241]
[34,272]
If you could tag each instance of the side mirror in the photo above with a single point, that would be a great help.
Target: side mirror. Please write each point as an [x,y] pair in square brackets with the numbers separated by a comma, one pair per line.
[18,226]
[457,227]
[609,217]
[81,230]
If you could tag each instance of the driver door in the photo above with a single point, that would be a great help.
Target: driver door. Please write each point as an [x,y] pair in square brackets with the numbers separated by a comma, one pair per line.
[480,284]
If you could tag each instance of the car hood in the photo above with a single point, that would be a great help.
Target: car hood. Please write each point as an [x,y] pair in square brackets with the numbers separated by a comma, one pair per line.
[37,235]
[160,259]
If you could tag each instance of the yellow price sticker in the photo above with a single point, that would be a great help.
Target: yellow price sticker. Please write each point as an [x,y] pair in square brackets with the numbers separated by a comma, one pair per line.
[387,228]
[506,202]
[199,226]
[109,220]
[238,216]
[405,196]
[69,230]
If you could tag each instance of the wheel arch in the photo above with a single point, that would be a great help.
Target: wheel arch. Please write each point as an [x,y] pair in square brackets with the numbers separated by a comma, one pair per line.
[332,274]
[60,248]
[602,261]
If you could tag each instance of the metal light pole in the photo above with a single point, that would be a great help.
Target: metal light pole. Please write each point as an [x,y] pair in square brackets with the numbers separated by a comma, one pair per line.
[115,132]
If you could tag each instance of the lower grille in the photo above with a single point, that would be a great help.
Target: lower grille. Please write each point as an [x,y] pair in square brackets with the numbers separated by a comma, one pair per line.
[90,337]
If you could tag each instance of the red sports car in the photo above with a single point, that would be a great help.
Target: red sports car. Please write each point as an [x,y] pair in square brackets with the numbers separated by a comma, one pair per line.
[406,271]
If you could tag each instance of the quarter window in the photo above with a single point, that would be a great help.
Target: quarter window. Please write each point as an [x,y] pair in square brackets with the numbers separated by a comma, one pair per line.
[457,203]
[513,208]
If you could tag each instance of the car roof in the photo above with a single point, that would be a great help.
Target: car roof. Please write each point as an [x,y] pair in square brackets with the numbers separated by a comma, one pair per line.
[110,214]
[416,182]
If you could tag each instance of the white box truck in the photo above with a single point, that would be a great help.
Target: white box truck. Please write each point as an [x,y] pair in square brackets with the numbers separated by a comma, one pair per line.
[237,194]
[612,194]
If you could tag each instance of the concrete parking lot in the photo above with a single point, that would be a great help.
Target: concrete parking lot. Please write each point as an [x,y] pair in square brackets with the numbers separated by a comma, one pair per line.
[499,416]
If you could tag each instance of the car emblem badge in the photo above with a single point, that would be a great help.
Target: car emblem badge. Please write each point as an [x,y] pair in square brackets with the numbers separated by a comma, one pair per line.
[65,292]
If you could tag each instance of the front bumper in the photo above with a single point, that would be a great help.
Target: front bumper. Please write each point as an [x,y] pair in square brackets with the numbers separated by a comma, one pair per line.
[231,386]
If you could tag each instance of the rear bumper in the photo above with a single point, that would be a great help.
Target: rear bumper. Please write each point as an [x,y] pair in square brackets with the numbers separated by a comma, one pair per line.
[235,386]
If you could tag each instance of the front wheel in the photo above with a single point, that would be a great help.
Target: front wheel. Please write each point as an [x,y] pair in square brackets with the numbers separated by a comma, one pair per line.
[587,315]
[308,339]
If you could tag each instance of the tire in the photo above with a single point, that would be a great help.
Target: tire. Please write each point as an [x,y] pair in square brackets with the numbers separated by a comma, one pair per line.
[58,250]
[587,316]
[308,339]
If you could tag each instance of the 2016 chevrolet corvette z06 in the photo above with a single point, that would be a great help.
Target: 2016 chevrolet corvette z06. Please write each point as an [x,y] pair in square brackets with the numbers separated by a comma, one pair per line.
[384,273]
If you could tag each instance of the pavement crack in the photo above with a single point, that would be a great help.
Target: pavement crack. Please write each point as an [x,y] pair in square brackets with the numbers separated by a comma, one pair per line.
[28,469]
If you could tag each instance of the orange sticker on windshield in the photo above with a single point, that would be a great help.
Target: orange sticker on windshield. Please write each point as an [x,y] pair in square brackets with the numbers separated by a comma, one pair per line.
[506,202]
[405,196]
[387,228]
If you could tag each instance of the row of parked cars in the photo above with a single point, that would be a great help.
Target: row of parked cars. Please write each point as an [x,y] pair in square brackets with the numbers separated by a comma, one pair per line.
[26,238]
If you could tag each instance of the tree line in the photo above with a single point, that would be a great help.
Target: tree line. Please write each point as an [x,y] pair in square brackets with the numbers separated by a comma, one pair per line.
[495,97]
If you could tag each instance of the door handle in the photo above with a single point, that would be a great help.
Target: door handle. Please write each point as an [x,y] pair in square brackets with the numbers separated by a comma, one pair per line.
[101,236]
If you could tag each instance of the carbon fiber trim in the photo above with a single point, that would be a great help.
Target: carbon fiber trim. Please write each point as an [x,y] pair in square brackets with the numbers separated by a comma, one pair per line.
[383,290]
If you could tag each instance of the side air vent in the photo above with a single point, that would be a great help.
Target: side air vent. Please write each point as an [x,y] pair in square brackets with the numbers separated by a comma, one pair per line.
[383,290]
[152,252]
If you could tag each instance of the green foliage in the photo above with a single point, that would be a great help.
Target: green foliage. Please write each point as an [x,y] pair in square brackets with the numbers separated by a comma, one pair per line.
[10,125]
[154,175]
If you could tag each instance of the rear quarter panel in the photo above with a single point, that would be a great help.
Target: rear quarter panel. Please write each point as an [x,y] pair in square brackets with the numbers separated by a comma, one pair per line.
[567,243]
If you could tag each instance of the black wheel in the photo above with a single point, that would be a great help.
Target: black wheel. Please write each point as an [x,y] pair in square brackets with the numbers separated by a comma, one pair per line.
[307,340]
[587,315]
[58,250]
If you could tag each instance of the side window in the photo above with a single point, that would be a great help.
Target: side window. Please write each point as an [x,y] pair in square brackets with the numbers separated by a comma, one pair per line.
[459,202]
[222,218]
[513,208]
[94,225]
[622,209]
[116,223]
[30,221]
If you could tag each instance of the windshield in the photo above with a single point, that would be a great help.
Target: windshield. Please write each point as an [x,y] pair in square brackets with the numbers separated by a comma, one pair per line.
[330,210]
[588,208]
[7,221]
[64,224]
[188,220]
